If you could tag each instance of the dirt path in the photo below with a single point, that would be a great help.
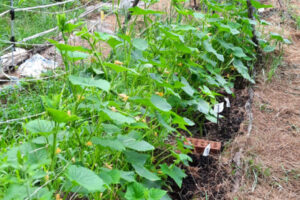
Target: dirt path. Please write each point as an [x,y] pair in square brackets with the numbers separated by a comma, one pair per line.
[271,156]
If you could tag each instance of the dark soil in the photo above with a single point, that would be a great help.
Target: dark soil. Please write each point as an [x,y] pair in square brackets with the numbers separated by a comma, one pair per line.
[208,177]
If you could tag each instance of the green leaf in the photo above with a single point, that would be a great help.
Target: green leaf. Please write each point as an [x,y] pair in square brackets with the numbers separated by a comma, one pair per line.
[269,48]
[40,126]
[61,116]
[135,191]
[66,47]
[85,178]
[187,88]
[90,82]
[208,47]
[113,144]
[256,4]
[140,44]
[238,52]
[143,172]
[127,176]
[111,129]
[118,117]
[134,144]
[117,68]
[160,103]
[136,158]
[242,69]
[110,176]
[139,11]
[156,194]
[174,172]
[203,106]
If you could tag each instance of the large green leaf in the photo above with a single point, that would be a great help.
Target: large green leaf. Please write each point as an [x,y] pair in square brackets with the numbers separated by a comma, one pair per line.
[140,44]
[40,126]
[187,88]
[135,191]
[203,106]
[118,117]
[139,11]
[256,4]
[174,172]
[242,69]
[143,172]
[85,178]
[134,144]
[136,158]
[160,103]
[113,144]
[208,47]
[156,194]
[61,116]
[90,82]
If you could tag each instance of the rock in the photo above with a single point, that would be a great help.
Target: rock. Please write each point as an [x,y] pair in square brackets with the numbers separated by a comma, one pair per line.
[35,66]
[6,60]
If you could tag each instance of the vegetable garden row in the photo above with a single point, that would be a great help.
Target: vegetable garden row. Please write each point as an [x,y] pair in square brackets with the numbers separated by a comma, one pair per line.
[117,127]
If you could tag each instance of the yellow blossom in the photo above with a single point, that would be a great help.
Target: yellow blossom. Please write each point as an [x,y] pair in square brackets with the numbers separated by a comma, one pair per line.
[109,166]
[124,97]
[155,134]
[144,120]
[160,172]
[166,71]
[102,15]
[180,64]
[117,62]
[228,75]
[89,143]
[80,97]
[57,197]
[232,68]
[112,108]
[159,93]
[58,150]
[47,177]
[69,113]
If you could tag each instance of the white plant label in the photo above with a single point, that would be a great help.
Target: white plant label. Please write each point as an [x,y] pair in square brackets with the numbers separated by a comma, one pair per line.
[206,150]
[227,102]
[218,108]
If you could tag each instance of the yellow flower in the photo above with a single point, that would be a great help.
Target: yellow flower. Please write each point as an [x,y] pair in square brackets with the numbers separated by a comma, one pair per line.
[57,197]
[232,68]
[117,62]
[155,134]
[228,75]
[144,120]
[166,71]
[159,93]
[109,166]
[124,97]
[47,177]
[112,108]
[58,150]
[180,64]
[69,113]
[160,172]
[102,15]
[89,143]
[79,97]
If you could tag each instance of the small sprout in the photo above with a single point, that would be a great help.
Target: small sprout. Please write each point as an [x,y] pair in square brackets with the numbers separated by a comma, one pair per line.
[117,62]
[159,93]
[109,166]
[102,15]
[58,150]
[124,97]
[112,108]
[89,143]
[69,113]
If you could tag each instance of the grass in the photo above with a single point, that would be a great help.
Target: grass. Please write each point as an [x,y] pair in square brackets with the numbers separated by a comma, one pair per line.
[29,23]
